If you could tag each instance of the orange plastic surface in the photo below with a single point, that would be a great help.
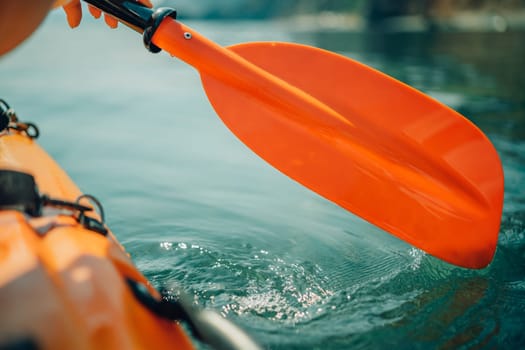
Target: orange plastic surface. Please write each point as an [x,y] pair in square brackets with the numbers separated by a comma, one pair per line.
[357,137]
[62,286]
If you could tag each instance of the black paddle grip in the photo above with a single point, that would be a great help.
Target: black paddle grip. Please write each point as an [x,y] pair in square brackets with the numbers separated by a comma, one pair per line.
[136,16]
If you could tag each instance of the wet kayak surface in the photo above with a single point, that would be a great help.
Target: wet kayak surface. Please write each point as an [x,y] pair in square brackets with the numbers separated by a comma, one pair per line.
[199,212]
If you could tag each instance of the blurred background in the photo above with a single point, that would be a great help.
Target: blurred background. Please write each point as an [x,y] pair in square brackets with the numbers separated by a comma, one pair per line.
[498,15]
[198,211]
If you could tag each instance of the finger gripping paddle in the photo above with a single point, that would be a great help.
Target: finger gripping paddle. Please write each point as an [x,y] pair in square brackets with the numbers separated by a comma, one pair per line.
[363,140]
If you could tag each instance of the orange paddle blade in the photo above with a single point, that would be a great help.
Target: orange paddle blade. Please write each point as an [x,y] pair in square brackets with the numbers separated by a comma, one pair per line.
[357,137]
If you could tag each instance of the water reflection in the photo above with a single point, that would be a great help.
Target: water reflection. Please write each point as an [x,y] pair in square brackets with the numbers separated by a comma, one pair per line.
[450,317]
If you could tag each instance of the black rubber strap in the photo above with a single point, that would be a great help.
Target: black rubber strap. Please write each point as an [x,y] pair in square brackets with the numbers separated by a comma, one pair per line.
[156,19]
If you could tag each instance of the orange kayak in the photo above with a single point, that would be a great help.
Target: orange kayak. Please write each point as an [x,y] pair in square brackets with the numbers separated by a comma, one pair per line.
[65,281]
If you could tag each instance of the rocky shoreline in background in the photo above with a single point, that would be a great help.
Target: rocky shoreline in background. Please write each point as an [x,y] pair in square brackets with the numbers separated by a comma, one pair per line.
[466,21]
[388,15]
[447,15]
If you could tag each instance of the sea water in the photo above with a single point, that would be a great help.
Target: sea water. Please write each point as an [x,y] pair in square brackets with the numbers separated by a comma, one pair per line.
[201,213]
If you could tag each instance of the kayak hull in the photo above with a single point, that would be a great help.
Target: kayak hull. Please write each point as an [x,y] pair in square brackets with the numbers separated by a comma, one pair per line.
[63,286]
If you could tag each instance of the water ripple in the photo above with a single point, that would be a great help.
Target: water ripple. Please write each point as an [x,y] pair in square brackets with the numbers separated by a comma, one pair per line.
[252,281]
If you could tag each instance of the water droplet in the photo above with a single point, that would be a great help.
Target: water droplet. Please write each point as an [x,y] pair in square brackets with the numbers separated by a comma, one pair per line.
[166,245]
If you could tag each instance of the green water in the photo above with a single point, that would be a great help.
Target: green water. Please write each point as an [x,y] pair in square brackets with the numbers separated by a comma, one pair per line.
[199,212]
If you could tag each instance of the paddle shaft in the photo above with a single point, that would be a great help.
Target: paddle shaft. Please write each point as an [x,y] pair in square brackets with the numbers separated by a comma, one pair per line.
[223,64]
[217,61]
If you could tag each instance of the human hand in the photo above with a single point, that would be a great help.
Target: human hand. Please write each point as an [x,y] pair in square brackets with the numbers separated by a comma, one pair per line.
[73,10]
